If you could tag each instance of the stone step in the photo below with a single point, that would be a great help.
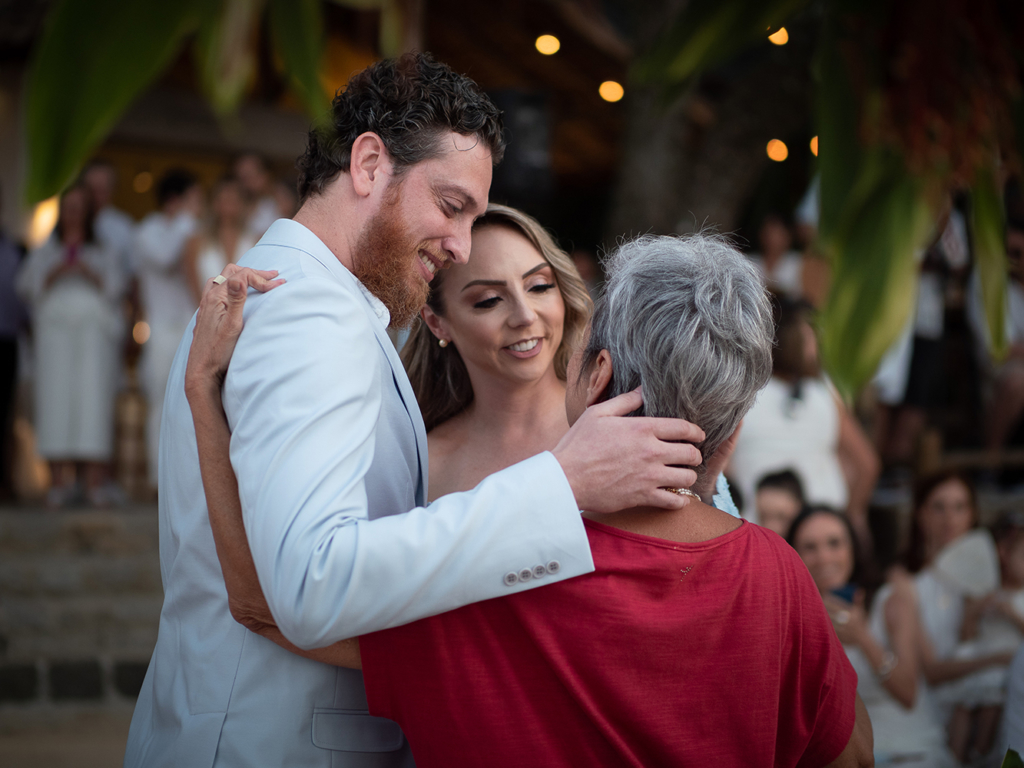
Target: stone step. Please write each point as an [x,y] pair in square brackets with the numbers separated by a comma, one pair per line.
[64,575]
[80,599]
[33,530]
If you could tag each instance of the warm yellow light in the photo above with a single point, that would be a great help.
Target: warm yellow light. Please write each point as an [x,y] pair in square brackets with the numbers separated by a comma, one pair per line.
[781,37]
[140,332]
[142,182]
[548,44]
[814,146]
[777,151]
[44,219]
[611,91]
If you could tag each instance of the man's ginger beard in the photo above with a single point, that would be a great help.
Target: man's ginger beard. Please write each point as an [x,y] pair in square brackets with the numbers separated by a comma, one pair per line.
[386,261]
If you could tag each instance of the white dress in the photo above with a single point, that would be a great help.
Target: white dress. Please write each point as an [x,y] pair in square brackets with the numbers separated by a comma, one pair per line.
[168,303]
[77,334]
[212,259]
[780,432]
[905,737]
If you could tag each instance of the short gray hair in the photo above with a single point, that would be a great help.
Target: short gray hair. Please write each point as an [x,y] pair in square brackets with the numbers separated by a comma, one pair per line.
[687,318]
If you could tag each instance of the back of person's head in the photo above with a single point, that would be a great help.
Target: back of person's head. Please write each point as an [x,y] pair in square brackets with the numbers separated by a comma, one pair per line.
[410,103]
[689,320]
[794,354]
[173,184]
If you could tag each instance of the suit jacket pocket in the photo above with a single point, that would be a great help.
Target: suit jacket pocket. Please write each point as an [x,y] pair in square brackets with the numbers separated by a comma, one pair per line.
[346,730]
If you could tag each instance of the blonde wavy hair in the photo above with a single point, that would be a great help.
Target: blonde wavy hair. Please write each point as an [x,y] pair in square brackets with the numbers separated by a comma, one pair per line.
[438,375]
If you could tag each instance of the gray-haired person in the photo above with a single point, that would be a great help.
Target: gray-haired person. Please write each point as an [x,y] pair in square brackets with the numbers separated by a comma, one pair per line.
[700,639]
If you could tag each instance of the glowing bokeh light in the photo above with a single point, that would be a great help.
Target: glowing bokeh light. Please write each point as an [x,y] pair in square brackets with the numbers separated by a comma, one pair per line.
[548,44]
[140,332]
[814,146]
[142,182]
[44,219]
[611,91]
[779,38]
[777,150]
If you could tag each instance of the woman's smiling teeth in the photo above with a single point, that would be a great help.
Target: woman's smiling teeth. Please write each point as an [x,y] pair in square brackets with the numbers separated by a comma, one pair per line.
[524,346]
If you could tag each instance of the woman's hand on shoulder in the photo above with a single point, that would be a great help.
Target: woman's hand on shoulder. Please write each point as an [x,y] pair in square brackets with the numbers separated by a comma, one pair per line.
[219,323]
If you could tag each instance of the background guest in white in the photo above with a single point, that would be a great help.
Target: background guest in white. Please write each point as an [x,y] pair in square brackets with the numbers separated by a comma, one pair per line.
[115,229]
[262,208]
[222,242]
[71,282]
[167,302]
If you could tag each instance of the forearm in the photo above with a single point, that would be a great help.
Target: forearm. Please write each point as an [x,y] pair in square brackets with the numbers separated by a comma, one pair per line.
[945,670]
[859,751]
[245,597]
[344,653]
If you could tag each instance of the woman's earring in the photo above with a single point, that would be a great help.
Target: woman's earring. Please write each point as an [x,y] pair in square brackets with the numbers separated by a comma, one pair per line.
[442,343]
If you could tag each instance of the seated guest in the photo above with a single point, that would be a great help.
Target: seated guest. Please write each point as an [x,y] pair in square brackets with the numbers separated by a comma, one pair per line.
[881,640]
[949,557]
[778,499]
[700,639]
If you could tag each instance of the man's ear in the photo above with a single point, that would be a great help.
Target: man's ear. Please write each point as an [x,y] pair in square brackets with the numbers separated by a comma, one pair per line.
[599,379]
[435,323]
[370,164]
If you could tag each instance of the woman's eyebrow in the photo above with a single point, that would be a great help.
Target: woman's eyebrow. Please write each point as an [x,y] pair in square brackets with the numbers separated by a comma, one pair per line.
[538,268]
[526,274]
[471,283]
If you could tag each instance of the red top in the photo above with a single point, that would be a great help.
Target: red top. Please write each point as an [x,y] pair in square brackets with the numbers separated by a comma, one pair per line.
[718,653]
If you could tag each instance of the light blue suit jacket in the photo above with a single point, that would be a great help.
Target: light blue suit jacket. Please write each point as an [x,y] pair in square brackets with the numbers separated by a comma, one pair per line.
[331,457]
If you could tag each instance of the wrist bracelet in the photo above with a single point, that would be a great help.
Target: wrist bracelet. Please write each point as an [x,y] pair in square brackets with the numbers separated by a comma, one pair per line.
[889,662]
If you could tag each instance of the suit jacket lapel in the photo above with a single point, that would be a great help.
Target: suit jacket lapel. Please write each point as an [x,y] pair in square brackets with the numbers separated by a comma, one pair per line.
[411,406]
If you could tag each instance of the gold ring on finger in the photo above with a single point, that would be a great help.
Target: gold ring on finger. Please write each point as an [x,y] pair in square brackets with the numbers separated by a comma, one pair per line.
[684,492]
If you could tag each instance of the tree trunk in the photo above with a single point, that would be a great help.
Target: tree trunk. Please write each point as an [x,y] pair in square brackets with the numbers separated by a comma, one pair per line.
[694,161]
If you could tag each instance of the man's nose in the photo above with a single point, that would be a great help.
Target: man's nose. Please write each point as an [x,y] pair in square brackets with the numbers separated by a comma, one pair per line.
[459,244]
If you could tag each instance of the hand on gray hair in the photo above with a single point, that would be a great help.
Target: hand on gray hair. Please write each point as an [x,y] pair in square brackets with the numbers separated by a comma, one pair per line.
[689,319]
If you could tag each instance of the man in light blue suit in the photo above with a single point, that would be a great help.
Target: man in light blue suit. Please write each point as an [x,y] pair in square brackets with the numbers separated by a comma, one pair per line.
[330,450]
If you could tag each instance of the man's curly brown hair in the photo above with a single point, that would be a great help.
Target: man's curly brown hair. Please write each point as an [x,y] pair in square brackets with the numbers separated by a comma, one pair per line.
[411,103]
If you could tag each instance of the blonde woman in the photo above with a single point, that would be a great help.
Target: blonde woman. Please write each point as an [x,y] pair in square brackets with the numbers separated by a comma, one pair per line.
[488,361]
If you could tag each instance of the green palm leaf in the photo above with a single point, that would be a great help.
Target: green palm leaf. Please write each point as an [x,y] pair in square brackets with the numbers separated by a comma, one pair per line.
[988,226]
[90,63]
[707,33]
[298,34]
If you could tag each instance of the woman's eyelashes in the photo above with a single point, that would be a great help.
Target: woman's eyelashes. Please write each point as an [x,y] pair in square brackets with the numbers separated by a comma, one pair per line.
[487,303]
[492,301]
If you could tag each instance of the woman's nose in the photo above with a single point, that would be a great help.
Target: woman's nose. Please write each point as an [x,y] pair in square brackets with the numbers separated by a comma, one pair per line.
[522,313]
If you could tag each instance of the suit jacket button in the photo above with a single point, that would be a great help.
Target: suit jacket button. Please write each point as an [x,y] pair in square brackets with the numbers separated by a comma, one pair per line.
[539,571]
[526,574]
[511,579]
[554,567]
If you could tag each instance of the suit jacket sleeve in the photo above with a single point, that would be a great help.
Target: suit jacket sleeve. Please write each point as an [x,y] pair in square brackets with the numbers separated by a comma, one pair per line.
[302,395]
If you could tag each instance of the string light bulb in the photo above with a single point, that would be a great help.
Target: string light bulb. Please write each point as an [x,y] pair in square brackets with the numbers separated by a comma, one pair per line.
[611,91]
[777,150]
[548,44]
[779,38]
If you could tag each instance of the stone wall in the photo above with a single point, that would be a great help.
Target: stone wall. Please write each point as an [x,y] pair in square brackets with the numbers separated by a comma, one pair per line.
[80,599]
